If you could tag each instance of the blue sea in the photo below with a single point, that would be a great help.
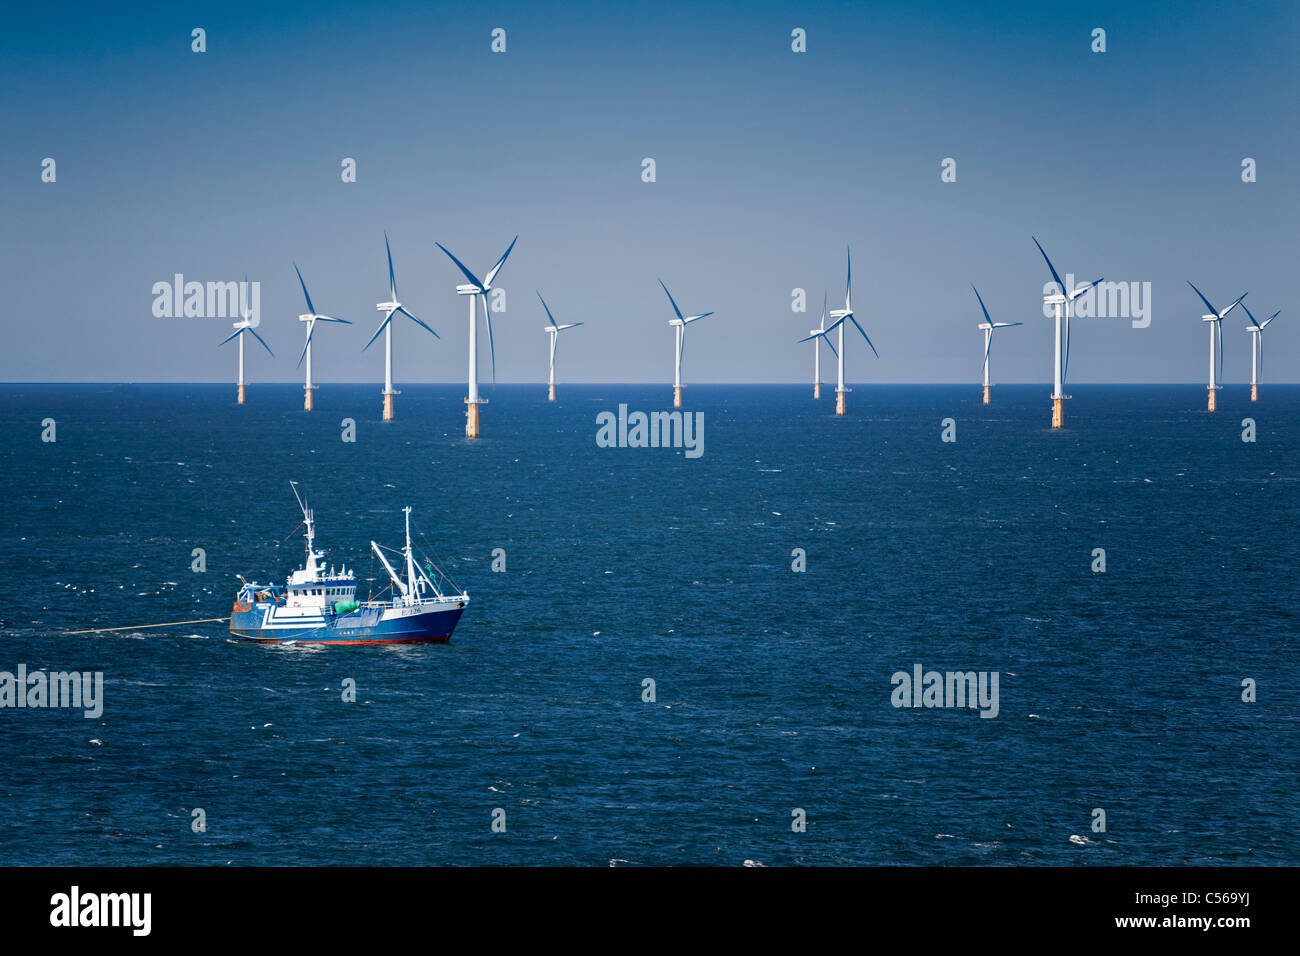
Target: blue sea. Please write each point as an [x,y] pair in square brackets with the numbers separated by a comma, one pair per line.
[1119,690]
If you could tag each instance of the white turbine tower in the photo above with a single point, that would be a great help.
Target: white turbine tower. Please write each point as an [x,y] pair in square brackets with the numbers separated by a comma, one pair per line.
[245,324]
[679,325]
[1257,349]
[474,290]
[1215,318]
[817,336]
[1062,300]
[554,330]
[390,309]
[311,318]
[988,325]
[841,316]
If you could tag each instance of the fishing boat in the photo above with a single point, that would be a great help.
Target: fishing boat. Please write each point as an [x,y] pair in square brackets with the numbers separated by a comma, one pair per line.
[320,606]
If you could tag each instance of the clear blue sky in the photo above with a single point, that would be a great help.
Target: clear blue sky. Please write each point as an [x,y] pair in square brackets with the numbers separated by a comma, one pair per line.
[769,163]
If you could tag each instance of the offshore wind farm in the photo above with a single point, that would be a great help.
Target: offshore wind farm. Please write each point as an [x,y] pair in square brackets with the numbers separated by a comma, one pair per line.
[716,619]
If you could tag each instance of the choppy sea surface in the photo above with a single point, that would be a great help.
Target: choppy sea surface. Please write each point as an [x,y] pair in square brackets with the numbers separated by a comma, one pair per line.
[1119,691]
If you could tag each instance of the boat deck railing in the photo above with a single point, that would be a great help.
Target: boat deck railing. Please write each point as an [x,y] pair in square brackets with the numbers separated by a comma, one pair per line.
[398,602]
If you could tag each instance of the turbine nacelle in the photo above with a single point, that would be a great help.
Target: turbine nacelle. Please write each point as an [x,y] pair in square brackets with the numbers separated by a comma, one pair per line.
[468,290]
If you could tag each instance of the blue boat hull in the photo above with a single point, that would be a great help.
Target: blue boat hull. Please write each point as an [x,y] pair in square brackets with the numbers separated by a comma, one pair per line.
[364,626]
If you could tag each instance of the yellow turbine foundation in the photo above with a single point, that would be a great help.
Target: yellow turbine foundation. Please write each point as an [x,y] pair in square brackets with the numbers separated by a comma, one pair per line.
[817,390]
[241,395]
[388,406]
[839,400]
[1214,403]
[306,397]
[1058,413]
[1254,392]
[550,397]
[471,419]
[986,394]
[677,396]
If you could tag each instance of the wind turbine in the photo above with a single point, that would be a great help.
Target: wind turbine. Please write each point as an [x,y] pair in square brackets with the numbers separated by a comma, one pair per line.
[1215,318]
[679,325]
[390,309]
[840,316]
[988,325]
[1257,349]
[245,324]
[474,289]
[311,318]
[816,336]
[1061,352]
[554,330]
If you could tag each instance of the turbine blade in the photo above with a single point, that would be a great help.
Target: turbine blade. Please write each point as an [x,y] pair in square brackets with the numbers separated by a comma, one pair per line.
[1212,309]
[1218,334]
[864,334]
[262,340]
[831,344]
[330,318]
[492,274]
[382,325]
[1065,365]
[1250,316]
[987,318]
[460,265]
[311,329]
[1055,275]
[1270,319]
[548,311]
[848,281]
[235,336]
[1235,302]
[823,310]
[1079,290]
[392,277]
[671,299]
[691,318]
[420,322]
[487,315]
[310,308]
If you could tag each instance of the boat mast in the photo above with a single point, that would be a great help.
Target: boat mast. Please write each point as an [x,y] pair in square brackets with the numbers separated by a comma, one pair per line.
[307,519]
[410,561]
